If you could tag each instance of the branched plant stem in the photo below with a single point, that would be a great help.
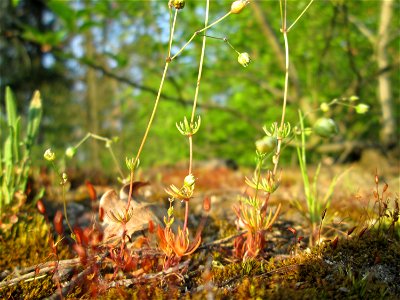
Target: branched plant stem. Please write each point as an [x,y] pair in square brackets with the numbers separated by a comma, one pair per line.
[199,31]
[63,197]
[285,30]
[196,96]
[167,62]
[299,17]
[108,143]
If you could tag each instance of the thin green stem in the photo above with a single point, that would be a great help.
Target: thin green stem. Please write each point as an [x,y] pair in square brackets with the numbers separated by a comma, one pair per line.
[108,145]
[299,17]
[186,216]
[285,93]
[190,137]
[158,94]
[230,45]
[114,158]
[199,31]
[63,196]
[65,209]
[196,96]
[83,140]
[168,60]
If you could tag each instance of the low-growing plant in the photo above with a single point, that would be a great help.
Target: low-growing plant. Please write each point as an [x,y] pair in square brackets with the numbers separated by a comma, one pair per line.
[252,212]
[316,205]
[324,127]
[16,150]
[385,209]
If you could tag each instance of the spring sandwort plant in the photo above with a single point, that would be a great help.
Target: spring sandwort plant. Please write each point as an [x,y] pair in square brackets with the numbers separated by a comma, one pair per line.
[325,127]
[252,211]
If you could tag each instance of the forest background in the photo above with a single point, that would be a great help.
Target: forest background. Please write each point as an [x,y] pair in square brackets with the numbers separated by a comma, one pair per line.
[98,66]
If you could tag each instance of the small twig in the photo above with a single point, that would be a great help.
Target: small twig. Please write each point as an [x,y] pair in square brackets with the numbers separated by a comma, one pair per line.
[222,241]
[31,273]
[66,289]
[128,282]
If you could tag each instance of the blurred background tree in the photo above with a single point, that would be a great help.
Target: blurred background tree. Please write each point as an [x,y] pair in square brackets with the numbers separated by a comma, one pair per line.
[98,66]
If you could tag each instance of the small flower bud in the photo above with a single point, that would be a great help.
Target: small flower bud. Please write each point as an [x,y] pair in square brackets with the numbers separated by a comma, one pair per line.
[70,152]
[266,144]
[238,6]
[362,108]
[325,127]
[244,59]
[353,98]
[189,180]
[178,4]
[49,155]
[324,107]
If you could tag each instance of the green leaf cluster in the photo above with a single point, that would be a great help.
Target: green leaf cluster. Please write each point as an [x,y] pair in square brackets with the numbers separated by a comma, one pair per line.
[15,151]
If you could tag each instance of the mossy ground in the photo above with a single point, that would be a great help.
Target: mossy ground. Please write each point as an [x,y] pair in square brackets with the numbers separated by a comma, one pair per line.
[360,266]
[26,244]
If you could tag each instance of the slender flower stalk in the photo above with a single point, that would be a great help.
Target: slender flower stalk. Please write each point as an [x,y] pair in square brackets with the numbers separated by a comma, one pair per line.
[167,62]
[200,31]
[196,96]
[285,30]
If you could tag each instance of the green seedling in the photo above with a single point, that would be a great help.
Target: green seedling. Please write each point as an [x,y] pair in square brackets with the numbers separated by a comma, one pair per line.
[315,205]
[15,151]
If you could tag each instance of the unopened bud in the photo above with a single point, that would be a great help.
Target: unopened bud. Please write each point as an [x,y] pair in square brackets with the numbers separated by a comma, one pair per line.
[353,98]
[70,152]
[266,144]
[362,108]
[189,180]
[325,127]
[238,6]
[324,107]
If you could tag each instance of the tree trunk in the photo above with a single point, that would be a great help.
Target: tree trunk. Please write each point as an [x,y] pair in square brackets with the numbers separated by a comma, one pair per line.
[384,84]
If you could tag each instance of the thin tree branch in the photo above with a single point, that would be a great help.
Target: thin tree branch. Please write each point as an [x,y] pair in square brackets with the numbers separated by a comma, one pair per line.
[363,29]
[179,99]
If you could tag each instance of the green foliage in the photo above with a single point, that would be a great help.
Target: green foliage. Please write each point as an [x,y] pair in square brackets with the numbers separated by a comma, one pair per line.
[315,204]
[15,153]
[129,41]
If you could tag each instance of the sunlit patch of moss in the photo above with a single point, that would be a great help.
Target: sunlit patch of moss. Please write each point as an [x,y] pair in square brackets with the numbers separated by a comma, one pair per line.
[148,291]
[35,289]
[358,268]
[24,245]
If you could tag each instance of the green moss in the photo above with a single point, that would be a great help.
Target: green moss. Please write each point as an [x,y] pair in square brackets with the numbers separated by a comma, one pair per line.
[24,245]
